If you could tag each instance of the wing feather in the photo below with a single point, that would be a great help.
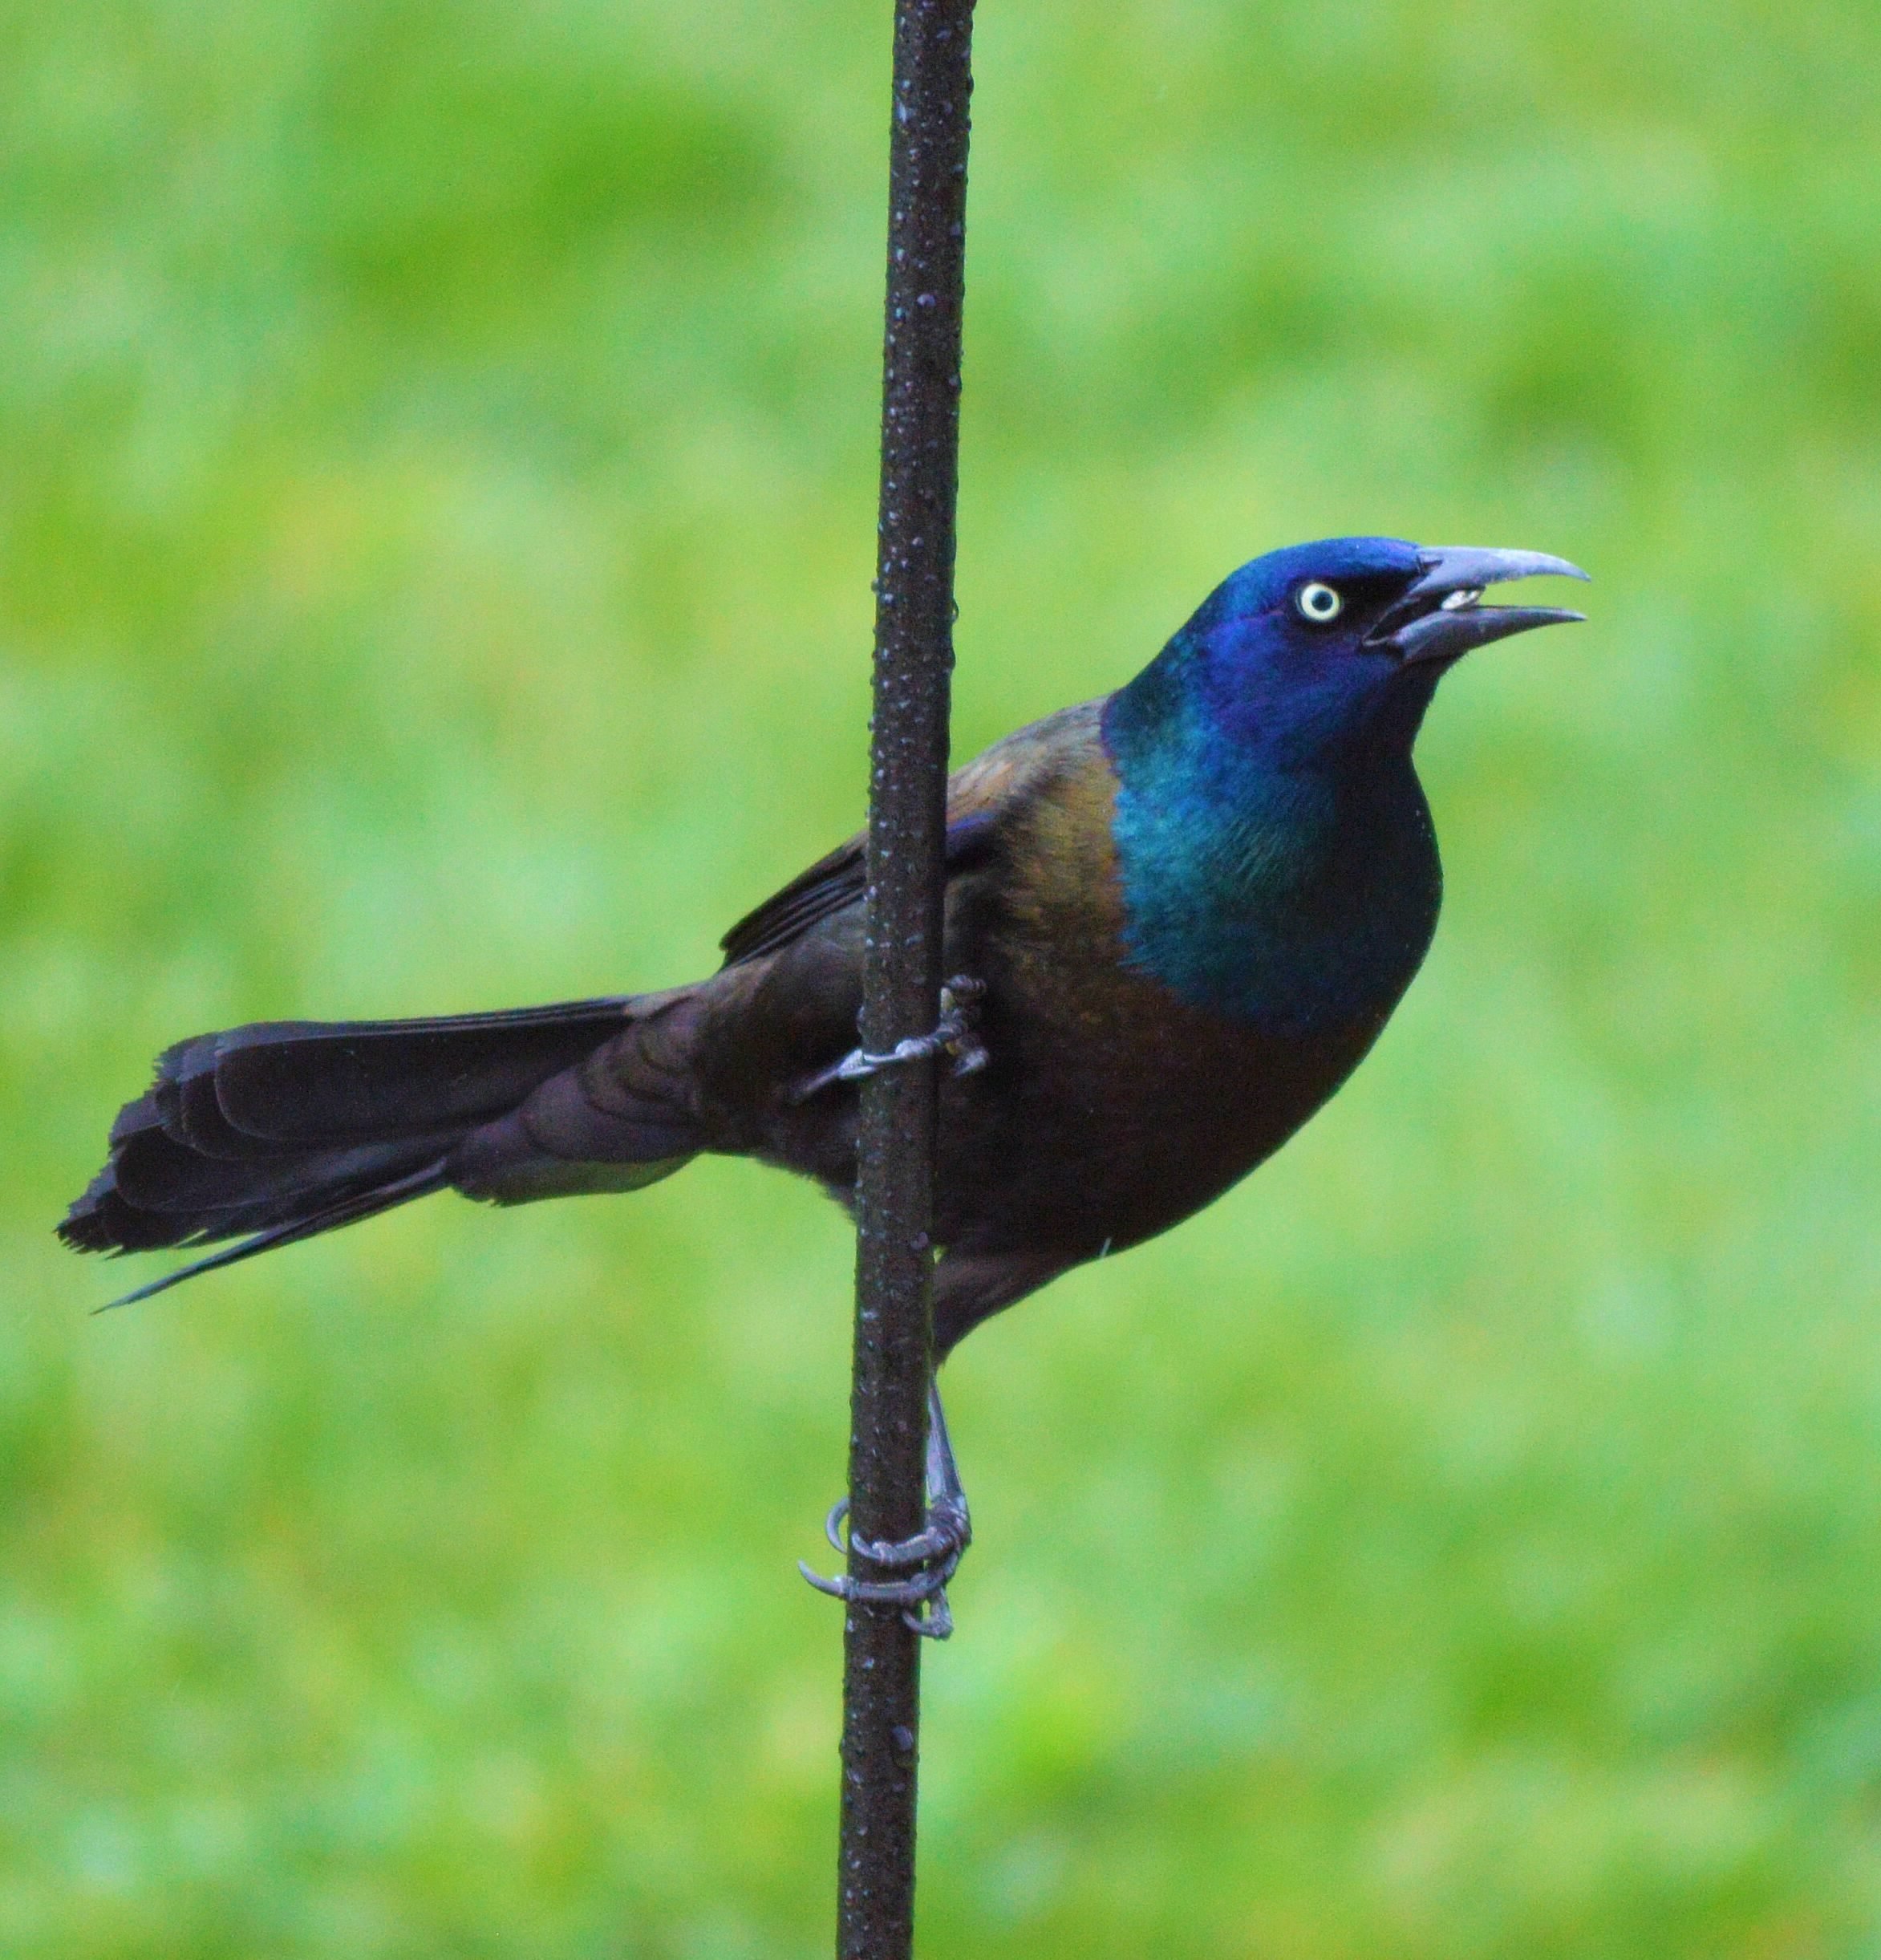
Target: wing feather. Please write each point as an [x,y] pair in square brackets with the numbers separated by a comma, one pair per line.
[981,796]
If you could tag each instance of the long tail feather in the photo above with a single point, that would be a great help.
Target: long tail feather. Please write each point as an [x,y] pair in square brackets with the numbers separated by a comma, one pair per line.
[419,1184]
[275,1132]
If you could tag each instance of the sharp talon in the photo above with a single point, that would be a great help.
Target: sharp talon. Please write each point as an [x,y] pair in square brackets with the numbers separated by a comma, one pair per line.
[837,1588]
[832,1524]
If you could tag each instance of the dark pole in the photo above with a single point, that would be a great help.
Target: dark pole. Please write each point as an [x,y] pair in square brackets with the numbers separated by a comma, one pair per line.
[901,975]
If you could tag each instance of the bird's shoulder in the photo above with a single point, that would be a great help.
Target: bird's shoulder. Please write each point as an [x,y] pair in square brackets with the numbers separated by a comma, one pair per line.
[1057,763]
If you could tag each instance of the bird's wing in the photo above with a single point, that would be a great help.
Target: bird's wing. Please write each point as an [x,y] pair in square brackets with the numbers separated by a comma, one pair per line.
[981,796]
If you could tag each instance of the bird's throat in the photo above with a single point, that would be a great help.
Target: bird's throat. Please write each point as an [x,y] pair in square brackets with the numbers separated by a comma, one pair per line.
[1299,899]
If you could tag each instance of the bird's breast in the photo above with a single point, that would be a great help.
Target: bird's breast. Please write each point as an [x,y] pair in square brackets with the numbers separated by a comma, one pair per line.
[1295,905]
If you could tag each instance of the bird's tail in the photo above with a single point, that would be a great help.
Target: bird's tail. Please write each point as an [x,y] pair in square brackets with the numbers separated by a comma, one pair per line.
[276,1132]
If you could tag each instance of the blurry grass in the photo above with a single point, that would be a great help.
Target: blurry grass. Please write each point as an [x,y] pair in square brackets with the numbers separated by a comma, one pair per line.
[435,527]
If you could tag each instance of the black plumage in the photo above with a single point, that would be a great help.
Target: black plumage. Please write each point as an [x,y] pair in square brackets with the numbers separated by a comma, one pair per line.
[1189,909]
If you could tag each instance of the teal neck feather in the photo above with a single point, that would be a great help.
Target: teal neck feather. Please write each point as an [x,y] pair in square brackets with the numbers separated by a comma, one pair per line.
[1265,876]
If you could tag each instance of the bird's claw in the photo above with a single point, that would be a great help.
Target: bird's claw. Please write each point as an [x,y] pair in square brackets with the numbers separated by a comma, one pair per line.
[959,1025]
[937,1549]
[955,1033]
[833,1524]
[947,1533]
[925,1590]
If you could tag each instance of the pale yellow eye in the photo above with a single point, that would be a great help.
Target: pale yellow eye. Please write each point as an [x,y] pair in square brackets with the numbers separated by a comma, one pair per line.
[1319,603]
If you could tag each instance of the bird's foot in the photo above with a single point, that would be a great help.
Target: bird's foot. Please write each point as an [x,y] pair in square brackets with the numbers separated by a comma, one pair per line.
[935,1551]
[956,1034]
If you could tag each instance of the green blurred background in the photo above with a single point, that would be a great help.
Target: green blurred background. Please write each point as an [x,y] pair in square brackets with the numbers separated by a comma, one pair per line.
[436,480]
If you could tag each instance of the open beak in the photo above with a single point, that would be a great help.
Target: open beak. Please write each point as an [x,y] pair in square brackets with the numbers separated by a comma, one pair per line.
[1441,616]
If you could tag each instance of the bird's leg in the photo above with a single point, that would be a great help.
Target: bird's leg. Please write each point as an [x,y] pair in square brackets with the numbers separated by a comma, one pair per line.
[937,1547]
[956,1034]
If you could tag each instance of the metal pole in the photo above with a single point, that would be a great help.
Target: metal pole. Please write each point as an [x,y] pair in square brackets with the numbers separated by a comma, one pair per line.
[908,760]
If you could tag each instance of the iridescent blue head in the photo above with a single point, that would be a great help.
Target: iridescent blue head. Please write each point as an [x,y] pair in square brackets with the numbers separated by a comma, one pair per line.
[1322,648]
[1274,849]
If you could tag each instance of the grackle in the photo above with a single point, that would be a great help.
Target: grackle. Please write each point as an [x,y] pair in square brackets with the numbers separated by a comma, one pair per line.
[1179,916]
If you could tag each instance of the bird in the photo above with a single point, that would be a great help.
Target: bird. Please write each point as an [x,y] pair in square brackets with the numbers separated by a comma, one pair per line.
[1177,918]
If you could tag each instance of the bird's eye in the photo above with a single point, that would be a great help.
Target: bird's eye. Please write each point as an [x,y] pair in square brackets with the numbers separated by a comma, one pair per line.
[1318,603]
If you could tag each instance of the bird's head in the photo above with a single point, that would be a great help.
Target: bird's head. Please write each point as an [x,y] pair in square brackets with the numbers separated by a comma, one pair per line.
[1325,647]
